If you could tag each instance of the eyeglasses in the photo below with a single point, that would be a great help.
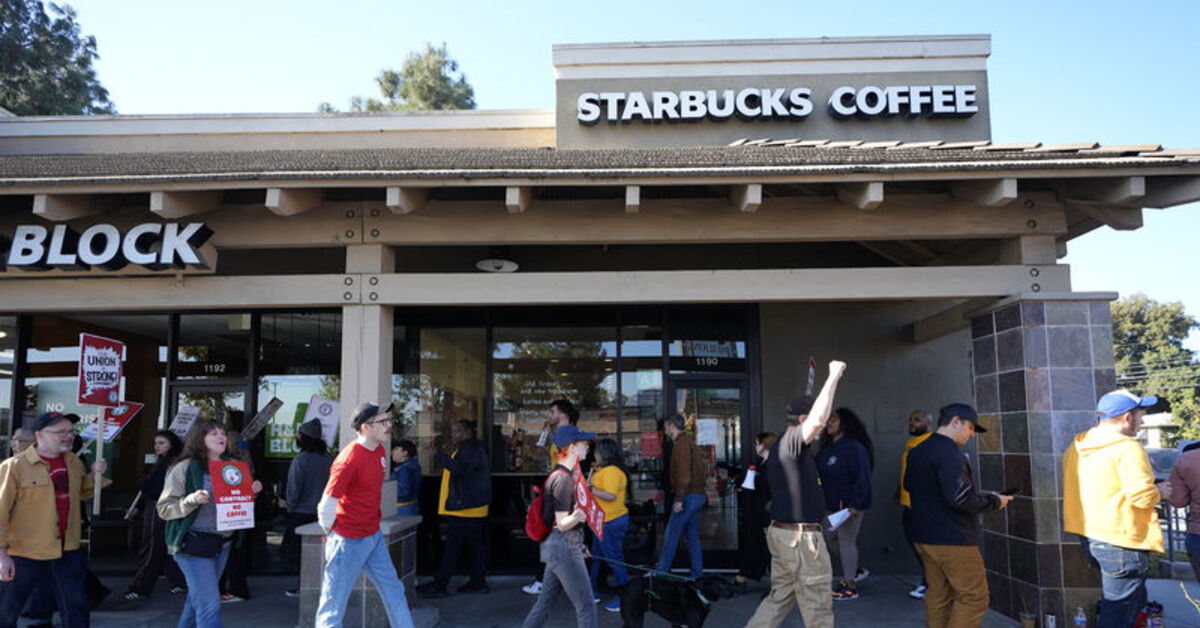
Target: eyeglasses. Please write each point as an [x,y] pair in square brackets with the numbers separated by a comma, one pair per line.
[379,421]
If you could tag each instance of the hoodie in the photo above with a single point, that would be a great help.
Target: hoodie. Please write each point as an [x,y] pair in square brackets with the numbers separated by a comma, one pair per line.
[1108,491]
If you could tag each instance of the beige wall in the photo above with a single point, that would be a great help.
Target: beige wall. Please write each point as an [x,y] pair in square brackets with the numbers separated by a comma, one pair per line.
[887,377]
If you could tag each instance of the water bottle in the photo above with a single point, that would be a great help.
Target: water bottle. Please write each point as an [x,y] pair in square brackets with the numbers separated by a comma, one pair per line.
[1080,616]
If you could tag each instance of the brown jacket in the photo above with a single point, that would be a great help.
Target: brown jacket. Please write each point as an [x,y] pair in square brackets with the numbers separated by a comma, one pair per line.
[28,515]
[689,470]
[1185,487]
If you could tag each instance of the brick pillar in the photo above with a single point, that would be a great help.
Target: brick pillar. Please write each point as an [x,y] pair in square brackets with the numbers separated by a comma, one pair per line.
[1039,367]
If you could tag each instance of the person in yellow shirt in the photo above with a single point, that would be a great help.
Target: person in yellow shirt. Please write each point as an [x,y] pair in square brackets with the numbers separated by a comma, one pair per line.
[920,423]
[610,483]
[1109,496]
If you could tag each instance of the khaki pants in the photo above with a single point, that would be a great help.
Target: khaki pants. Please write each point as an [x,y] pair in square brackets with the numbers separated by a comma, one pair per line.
[954,571]
[800,575]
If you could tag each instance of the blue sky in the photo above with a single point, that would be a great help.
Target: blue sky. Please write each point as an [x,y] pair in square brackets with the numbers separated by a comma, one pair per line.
[1060,71]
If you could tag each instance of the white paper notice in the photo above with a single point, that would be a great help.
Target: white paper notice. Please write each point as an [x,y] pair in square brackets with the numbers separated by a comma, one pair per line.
[184,419]
[838,518]
[706,431]
[328,412]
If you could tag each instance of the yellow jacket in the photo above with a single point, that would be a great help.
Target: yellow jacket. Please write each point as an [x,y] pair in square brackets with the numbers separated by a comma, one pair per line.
[1108,491]
[28,515]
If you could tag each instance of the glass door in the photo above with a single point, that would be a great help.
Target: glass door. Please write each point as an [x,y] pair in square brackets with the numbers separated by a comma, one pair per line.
[715,410]
[223,402]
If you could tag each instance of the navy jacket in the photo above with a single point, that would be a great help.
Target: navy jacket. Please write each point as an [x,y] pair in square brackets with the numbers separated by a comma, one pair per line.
[470,480]
[845,469]
[945,504]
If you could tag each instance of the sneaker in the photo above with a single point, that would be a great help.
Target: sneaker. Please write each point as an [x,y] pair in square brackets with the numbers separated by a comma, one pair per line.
[613,606]
[292,592]
[595,599]
[478,587]
[229,598]
[130,596]
[845,590]
[533,588]
[861,574]
[176,590]
[918,593]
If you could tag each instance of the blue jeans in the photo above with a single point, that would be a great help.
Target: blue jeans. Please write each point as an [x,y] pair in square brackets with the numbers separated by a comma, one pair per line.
[345,559]
[565,573]
[203,606]
[1192,543]
[1123,582]
[66,576]
[609,550]
[686,522]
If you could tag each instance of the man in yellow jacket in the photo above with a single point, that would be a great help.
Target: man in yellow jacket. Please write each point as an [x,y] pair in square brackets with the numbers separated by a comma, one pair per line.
[1109,497]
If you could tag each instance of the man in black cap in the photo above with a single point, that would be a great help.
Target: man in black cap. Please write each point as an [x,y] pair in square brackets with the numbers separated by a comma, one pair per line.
[945,512]
[800,567]
[40,493]
[463,501]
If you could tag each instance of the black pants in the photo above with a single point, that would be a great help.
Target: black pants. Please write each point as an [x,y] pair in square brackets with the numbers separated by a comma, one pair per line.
[153,558]
[461,531]
[906,522]
[290,547]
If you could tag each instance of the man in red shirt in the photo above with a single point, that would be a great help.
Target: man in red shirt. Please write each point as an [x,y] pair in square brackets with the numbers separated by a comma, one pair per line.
[350,514]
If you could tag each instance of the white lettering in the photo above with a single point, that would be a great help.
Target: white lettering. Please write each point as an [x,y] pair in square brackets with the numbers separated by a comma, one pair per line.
[612,104]
[636,105]
[130,248]
[744,108]
[57,256]
[589,108]
[28,245]
[691,105]
[772,102]
[177,244]
[801,104]
[964,99]
[918,96]
[112,243]
[870,101]
[666,105]
[841,102]
[896,96]
[943,100]
[720,107]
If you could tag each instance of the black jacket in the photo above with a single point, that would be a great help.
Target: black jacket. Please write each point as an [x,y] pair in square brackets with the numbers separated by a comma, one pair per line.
[470,480]
[945,504]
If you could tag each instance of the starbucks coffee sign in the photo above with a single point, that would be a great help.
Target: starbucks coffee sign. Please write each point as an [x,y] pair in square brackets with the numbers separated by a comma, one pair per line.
[152,245]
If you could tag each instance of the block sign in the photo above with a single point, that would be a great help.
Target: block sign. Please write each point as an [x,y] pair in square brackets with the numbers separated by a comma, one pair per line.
[233,494]
[115,420]
[100,361]
[587,502]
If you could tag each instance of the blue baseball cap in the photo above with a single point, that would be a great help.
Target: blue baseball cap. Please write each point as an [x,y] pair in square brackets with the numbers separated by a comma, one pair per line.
[567,434]
[1118,402]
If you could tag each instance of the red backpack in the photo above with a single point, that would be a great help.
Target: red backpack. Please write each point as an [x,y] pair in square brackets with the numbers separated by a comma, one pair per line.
[535,526]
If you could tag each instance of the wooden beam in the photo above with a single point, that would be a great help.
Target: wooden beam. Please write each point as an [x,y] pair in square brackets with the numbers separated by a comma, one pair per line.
[183,204]
[1118,191]
[1119,218]
[292,201]
[1163,192]
[986,192]
[181,291]
[60,207]
[865,196]
[747,197]
[633,199]
[517,198]
[406,200]
[947,321]
[1031,249]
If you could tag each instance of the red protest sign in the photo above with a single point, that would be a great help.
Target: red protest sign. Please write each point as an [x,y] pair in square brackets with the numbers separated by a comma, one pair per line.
[115,420]
[232,494]
[585,501]
[100,361]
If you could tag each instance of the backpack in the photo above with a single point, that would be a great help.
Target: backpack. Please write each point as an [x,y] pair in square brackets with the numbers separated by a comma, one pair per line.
[536,527]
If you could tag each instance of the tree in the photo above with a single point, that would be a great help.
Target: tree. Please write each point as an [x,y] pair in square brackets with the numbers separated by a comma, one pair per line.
[429,80]
[1151,359]
[46,64]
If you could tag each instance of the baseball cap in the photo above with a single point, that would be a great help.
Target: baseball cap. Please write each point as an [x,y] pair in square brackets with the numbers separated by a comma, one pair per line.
[50,418]
[963,412]
[799,406]
[311,429]
[367,411]
[568,434]
[1118,402]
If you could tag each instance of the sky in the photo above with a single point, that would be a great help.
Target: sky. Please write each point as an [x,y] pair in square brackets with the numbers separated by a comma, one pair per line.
[1060,71]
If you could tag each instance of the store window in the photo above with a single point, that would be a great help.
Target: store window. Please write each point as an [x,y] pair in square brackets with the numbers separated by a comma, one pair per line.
[299,358]
[214,346]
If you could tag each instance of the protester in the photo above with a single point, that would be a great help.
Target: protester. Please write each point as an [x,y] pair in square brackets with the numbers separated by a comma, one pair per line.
[153,558]
[562,550]
[800,567]
[1185,493]
[610,485]
[919,424]
[306,480]
[408,477]
[191,531]
[689,471]
[845,462]
[562,412]
[463,502]
[234,585]
[22,437]
[40,512]
[754,556]
[945,509]
[1109,497]
[350,513]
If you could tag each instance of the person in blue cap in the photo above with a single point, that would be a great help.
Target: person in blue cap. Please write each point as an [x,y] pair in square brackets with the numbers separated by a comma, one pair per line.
[562,550]
[1109,496]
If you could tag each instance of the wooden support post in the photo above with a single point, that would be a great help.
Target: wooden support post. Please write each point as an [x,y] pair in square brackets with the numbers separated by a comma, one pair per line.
[866,196]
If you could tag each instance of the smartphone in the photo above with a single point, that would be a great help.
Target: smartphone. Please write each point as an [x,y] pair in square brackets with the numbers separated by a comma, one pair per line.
[1010,491]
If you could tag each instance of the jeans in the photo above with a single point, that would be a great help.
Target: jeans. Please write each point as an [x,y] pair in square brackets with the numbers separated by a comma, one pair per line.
[1192,543]
[1123,582]
[609,550]
[203,606]
[344,560]
[687,523]
[565,572]
[66,575]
